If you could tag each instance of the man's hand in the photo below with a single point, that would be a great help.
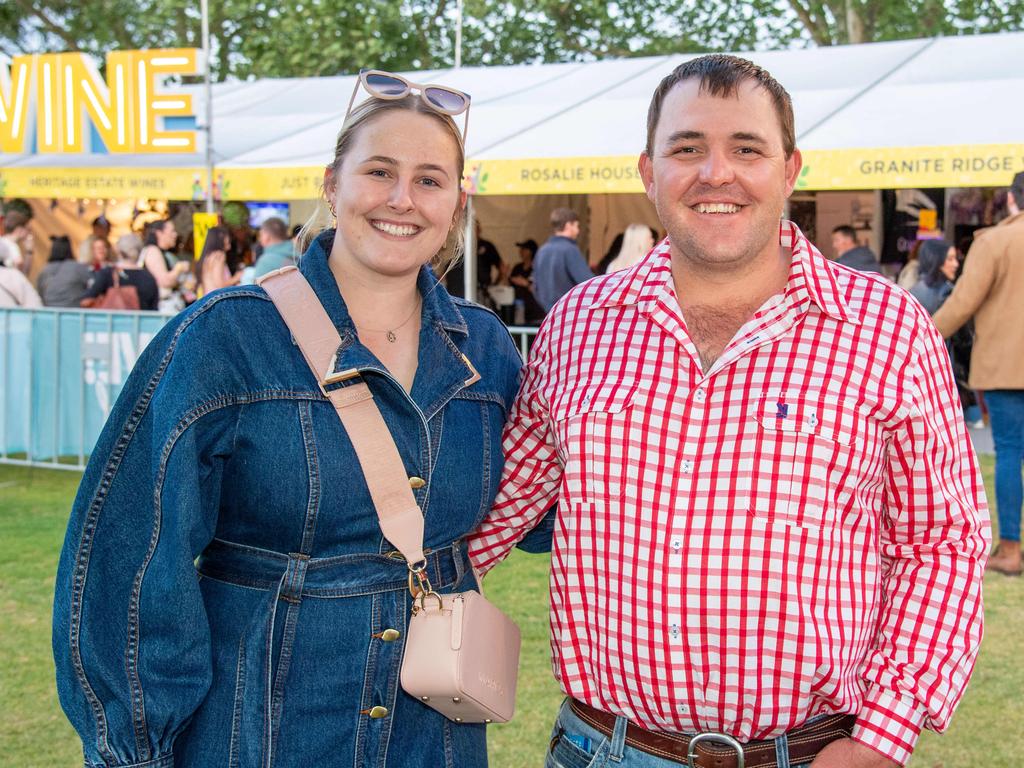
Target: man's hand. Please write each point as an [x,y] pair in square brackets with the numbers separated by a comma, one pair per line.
[847,753]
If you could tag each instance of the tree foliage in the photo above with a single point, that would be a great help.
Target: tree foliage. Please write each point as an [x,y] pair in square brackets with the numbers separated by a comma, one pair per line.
[259,38]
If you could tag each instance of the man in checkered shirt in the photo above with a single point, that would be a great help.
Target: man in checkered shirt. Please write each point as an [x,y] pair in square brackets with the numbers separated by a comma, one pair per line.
[771,526]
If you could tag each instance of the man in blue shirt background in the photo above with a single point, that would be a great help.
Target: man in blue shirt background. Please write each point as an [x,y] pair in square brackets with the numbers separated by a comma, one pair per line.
[559,265]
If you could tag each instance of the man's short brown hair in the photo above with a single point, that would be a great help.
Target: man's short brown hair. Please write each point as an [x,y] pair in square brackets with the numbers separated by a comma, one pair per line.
[276,228]
[720,75]
[562,216]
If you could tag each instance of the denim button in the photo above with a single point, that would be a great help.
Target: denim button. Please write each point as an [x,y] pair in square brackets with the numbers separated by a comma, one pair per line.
[390,635]
[378,712]
[416,483]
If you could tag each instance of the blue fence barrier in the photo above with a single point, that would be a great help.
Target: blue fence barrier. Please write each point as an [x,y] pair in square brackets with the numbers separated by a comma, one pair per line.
[61,371]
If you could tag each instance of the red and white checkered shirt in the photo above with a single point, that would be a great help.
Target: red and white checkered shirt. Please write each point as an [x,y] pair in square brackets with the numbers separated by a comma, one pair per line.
[800,530]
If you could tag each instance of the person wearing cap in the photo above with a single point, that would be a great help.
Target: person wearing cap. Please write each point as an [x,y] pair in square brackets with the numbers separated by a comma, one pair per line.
[100,231]
[521,278]
[991,290]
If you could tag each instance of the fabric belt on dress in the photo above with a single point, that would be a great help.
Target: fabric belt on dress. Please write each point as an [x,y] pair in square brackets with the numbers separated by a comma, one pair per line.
[804,742]
[326,577]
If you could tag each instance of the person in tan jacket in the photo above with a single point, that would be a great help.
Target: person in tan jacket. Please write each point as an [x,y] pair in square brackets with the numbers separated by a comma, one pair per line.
[991,290]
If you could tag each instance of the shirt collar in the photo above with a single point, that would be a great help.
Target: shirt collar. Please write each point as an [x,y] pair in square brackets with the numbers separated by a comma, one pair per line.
[811,278]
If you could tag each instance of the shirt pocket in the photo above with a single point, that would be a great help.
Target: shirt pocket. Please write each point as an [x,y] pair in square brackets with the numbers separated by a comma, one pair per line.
[597,427]
[790,461]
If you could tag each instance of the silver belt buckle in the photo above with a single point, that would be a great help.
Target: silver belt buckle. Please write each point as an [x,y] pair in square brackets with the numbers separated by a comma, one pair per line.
[729,741]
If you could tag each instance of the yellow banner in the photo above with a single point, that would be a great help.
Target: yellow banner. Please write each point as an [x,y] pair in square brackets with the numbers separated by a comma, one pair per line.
[272,184]
[568,175]
[990,165]
[979,165]
[159,183]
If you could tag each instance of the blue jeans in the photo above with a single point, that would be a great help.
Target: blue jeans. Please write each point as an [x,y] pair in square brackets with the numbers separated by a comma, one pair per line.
[1006,413]
[574,744]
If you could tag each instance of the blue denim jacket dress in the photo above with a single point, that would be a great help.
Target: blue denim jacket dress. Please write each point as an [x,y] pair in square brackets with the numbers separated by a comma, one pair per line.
[225,593]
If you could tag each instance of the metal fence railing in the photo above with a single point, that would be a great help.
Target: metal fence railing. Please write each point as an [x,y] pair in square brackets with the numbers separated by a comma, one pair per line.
[61,371]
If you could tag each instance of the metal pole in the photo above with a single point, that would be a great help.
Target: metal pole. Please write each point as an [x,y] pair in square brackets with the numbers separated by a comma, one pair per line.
[57,405]
[5,352]
[204,11]
[458,34]
[469,257]
[83,324]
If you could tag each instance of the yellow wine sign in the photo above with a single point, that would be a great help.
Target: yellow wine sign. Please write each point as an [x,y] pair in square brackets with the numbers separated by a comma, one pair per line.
[52,103]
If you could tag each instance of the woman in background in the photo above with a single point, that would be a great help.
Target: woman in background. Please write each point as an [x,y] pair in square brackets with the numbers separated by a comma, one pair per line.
[100,254]
[937,267]
[63,281]
[168,271]
[126,263]
[212,268]
[636,243]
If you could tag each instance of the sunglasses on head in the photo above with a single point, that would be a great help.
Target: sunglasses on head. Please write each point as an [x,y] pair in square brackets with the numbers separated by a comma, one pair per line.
[390,87]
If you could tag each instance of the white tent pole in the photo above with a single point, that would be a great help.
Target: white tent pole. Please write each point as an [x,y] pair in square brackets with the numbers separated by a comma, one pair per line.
[469,255]
[204,11]
[458,34]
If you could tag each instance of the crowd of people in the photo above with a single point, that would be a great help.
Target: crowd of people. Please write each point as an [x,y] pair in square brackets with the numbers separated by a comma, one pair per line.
[150,270]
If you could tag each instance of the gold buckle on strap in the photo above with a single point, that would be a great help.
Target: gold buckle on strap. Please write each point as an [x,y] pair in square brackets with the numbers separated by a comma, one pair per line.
[335,378]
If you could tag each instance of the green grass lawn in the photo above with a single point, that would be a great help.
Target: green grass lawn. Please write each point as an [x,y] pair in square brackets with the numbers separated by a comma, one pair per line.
[988,729]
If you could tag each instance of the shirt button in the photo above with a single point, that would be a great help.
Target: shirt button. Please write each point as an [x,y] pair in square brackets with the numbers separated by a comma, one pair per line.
[390,635]
[416,483]
[676,545]
[700,395]
[687,466]
[378,712]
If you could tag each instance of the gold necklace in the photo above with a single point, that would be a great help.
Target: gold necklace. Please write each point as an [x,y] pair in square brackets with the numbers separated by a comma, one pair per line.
[389,333]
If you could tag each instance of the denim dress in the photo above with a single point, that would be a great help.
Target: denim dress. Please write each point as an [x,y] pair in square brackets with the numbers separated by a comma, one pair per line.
[225,596]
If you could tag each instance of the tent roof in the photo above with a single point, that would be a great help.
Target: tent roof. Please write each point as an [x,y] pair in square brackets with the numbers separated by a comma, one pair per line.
[942,91]
[901,99]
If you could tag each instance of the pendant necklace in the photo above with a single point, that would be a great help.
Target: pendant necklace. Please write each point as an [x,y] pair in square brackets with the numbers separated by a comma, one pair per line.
[389,333]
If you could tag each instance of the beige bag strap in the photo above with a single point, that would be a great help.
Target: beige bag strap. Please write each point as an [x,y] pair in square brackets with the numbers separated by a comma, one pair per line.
[401,519]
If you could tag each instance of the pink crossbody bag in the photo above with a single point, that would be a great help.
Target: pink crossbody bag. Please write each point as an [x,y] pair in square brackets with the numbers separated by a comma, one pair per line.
[461,651]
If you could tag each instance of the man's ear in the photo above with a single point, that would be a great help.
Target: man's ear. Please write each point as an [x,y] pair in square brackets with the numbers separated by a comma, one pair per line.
[794,163]
[646,168]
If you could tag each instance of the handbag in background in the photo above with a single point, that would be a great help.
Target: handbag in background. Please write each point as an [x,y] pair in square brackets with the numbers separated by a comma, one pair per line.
[117,296]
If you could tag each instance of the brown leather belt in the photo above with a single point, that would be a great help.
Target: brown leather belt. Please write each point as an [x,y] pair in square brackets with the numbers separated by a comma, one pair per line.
[804,742]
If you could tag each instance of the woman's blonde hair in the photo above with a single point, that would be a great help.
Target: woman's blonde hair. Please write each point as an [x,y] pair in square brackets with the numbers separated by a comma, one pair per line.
[634,247]
[360,117]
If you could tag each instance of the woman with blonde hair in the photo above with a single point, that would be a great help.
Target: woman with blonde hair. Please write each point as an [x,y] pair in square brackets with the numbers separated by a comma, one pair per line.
[636,243]
[226,595]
